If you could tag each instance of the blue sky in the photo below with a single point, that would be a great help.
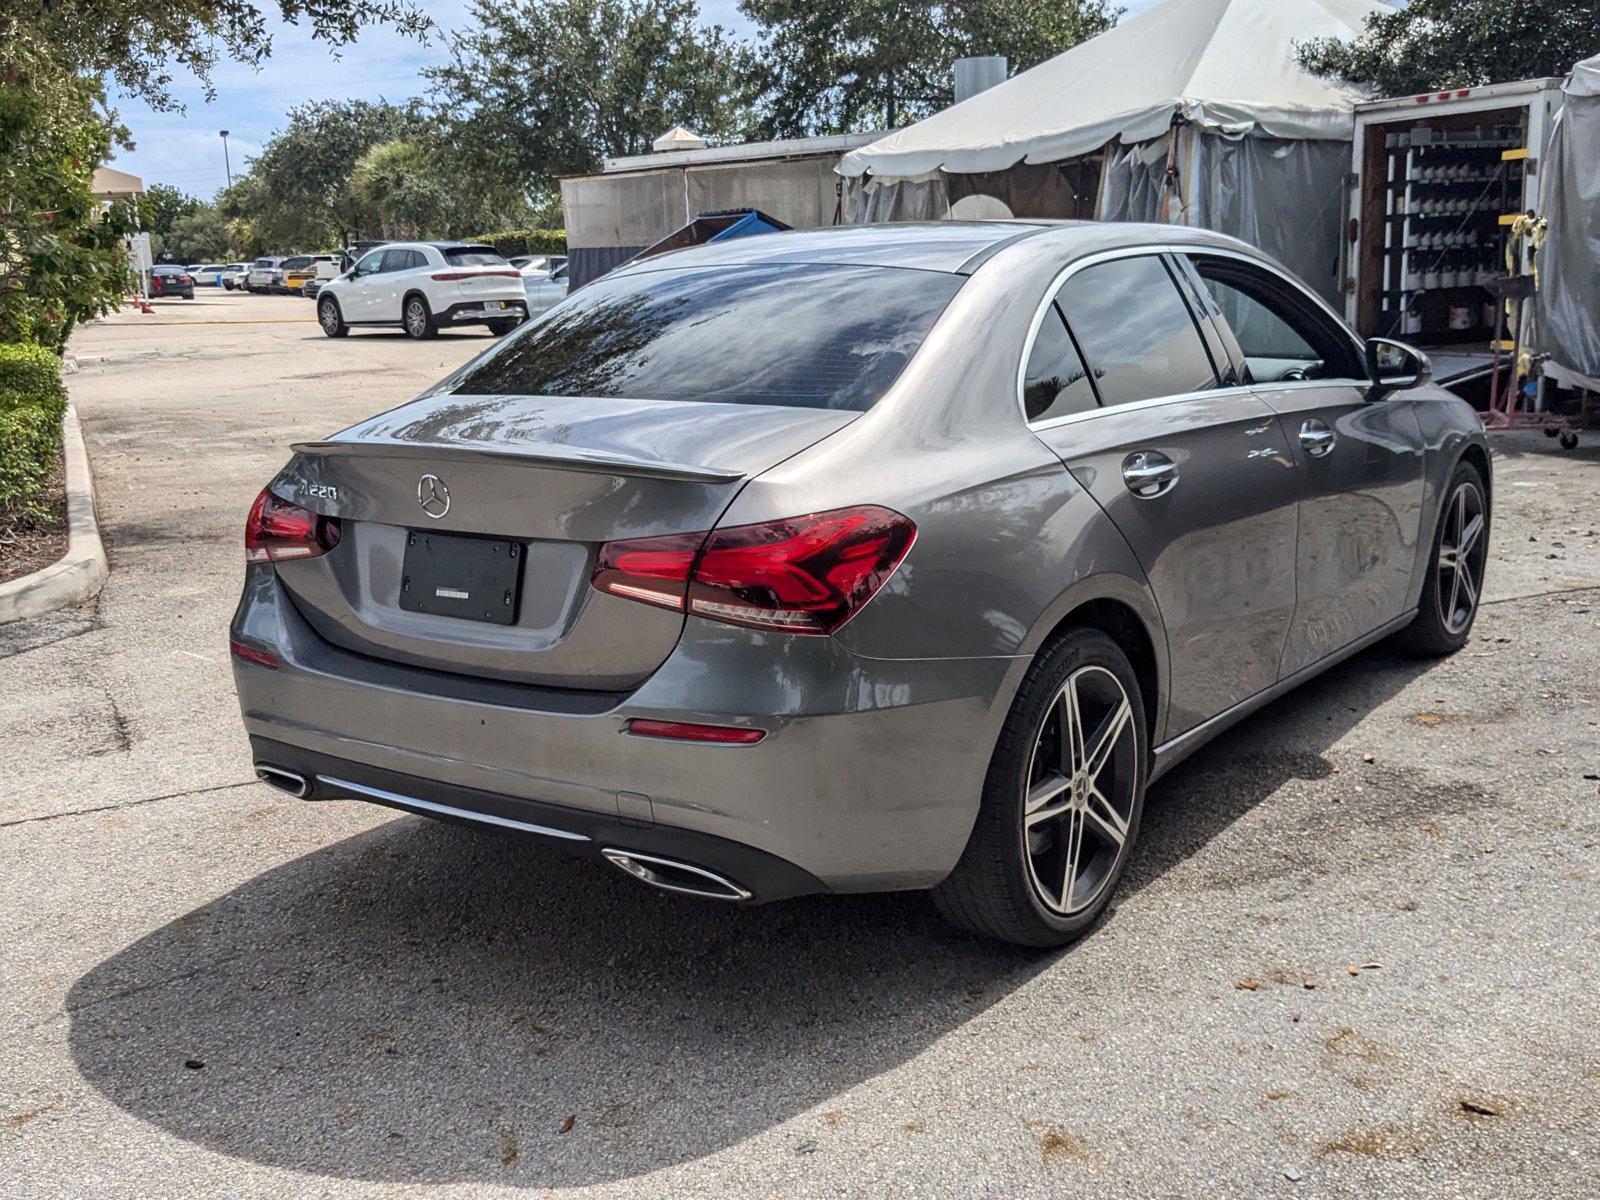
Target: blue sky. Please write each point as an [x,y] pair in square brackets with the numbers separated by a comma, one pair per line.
[184,149]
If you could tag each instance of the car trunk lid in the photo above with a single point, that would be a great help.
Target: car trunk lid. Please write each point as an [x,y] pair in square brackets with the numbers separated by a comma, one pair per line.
[554,478]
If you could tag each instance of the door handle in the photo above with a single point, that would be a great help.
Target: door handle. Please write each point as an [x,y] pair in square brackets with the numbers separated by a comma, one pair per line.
[1149,474]
[1317,438]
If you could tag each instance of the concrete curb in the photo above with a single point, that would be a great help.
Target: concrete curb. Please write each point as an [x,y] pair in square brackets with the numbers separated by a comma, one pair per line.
[81,572]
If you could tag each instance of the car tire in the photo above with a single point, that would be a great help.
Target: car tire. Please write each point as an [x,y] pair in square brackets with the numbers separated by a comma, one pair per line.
[331,318]
[416,318]
[1454,585]
[501,328]
[1031,814]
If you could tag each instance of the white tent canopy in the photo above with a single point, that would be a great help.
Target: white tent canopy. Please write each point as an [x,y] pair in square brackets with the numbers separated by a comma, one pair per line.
[1222,65]
[1569,292]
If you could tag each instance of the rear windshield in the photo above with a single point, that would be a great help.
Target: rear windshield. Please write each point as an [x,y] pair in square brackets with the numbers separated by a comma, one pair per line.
[295,264]
[473,256]
[801,336]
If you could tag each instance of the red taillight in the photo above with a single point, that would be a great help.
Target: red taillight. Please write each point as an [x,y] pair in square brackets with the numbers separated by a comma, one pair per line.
[277,530]
[245,652]
[684,731]
[651,570]
[184,279]
[455,276]
[806,574]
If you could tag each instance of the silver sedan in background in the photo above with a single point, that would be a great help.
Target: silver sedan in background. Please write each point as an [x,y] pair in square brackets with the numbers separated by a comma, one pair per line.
[891,557]
[545,289]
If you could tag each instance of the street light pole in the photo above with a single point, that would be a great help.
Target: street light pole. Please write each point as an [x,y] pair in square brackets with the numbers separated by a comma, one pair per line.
[226,164]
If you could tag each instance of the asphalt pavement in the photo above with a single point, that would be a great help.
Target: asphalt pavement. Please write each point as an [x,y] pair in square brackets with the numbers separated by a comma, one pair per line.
[1357,954]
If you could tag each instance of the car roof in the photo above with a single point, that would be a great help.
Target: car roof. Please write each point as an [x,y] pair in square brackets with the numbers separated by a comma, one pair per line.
[949,246]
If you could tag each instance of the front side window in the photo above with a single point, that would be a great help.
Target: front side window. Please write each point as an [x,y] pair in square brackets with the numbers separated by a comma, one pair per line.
[371,264]
[797,335]
[1281,335]
[1136,331]
[1056,383]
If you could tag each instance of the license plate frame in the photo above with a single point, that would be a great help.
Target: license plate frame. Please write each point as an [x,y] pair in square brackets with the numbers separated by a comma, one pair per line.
[465,576]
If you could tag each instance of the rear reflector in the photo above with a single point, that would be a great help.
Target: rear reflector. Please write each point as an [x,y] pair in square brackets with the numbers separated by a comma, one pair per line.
[277,530]
[682,731]
[457,276]
[245,652]
[806,574]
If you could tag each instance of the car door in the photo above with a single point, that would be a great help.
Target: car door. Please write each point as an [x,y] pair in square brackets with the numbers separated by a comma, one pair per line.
[1196,475]
[359,299]
[400,265]
[1361,463]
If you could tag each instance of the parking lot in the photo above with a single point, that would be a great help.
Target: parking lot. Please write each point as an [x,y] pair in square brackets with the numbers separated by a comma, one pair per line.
[1358,951]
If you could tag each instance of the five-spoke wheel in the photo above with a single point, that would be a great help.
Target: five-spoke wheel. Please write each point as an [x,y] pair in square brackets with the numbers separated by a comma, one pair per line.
[1062,800]
[1454,586]
[1080,791]
[1462,554]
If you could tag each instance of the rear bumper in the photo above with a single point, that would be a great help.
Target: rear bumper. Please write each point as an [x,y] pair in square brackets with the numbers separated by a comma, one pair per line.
[472,312]
[868,778]
[764,876]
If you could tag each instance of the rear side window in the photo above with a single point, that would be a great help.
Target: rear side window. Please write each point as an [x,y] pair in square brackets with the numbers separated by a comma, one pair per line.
[473,256]
[1057,383]
[796,335]
[1136,331]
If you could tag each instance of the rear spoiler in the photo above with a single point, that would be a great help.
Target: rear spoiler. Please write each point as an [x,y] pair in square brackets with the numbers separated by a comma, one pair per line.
[545,454]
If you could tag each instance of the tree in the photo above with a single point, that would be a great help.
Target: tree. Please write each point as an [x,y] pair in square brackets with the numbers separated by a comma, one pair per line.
[407,193]
[203,235]
[542,88]
[139,42]
[162,205]
[1437,44]
[836,66]
[298,194]
[61,250]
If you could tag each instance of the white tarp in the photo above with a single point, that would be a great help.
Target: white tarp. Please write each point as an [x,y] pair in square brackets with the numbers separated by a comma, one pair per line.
[1223,65]
[1569,285]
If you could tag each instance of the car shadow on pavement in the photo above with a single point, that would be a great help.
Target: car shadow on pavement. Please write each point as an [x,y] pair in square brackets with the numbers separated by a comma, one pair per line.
[433,1003]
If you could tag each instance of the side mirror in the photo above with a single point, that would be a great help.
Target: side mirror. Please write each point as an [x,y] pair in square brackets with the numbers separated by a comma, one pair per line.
[1395,367]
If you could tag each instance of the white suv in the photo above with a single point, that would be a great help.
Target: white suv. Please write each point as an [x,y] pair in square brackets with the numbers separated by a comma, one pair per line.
[424,286]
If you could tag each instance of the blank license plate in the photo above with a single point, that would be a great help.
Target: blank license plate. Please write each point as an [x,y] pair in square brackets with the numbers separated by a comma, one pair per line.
[451,575]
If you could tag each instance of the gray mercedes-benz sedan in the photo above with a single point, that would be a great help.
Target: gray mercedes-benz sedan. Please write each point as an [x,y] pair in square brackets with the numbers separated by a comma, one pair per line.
[858,559]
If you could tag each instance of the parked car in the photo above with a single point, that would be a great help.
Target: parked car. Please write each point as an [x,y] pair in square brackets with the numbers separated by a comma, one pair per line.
[167,279]
[266,275]
[207,274]
[233,275]
[312,286]
[857,559]
[301,268]
[545,291]
[423,287]
[538,264]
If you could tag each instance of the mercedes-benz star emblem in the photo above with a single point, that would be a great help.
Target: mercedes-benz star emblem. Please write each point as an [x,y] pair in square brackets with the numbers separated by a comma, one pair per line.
[433,496]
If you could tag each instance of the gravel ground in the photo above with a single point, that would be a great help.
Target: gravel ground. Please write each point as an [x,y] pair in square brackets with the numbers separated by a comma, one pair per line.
[1358,953]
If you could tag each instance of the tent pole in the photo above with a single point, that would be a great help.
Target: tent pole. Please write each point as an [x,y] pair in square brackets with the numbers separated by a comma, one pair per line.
[1172,180]
[1106,153]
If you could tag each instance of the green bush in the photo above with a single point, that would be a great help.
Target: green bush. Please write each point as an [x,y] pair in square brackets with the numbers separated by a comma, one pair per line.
[512,242]
[32,401]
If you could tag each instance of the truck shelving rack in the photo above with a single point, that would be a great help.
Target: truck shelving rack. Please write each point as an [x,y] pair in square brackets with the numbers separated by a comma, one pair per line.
[1434,177]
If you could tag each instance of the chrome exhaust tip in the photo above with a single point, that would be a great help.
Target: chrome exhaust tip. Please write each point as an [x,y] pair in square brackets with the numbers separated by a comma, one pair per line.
[672,876]
[296,784]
